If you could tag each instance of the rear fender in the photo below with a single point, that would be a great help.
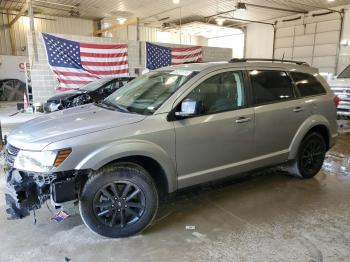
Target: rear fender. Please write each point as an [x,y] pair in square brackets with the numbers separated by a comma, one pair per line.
[308,124]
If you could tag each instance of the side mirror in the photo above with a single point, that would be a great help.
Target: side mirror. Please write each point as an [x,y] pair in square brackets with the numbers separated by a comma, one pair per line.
[189,108]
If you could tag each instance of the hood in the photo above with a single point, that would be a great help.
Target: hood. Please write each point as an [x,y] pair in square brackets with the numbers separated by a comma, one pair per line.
[42,131]
[65,95]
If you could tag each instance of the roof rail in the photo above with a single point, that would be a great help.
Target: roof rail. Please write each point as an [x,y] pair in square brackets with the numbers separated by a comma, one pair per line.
[242,60]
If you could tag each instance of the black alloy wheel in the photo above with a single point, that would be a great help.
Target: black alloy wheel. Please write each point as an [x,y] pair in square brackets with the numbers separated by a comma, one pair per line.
[120,203]
[119,200]
[311,155]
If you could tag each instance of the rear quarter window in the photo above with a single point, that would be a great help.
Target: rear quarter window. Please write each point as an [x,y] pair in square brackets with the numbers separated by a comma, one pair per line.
[307,85]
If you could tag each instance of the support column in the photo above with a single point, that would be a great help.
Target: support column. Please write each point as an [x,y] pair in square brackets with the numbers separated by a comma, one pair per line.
[32,29]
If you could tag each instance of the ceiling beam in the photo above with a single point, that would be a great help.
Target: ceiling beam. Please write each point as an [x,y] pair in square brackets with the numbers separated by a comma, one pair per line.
[247,21]
[278,8]
[19,14]
[263,7]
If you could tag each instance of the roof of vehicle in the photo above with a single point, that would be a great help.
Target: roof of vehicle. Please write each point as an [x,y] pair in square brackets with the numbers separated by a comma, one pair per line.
[242,64]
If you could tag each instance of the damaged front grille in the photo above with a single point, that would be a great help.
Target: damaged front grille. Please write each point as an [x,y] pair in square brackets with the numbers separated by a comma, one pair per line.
[10,155]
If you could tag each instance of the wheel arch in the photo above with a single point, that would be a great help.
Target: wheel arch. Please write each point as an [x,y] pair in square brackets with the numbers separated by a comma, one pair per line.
[146,154]
[315,123]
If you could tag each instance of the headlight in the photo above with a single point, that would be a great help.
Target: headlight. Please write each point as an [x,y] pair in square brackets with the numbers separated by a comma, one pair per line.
[54,107]
[42,161]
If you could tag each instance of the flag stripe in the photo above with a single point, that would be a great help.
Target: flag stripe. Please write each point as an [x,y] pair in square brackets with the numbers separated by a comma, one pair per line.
[187,52]
[109,72]
[103,51]
[104,59]
[103,46]
[184,49]
[76,82]
[99,55]
[65,73]
[185,56]
[103,69]
[91,63]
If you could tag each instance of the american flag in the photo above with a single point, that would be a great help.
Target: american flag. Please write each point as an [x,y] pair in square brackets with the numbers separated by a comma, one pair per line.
[159,56]
[76,64]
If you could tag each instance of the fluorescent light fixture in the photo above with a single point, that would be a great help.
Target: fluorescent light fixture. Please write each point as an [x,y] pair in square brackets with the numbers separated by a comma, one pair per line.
[345,42]
[220,21]
[106,25]
[121,20]
[176,2]
[25,20]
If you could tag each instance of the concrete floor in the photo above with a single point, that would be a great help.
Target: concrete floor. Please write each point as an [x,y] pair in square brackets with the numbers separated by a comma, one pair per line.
[268,216]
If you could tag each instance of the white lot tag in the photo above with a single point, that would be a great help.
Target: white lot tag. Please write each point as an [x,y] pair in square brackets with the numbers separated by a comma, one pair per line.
[181,72]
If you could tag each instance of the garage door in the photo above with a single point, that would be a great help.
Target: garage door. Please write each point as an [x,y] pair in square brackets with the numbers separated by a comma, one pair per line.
[314,40]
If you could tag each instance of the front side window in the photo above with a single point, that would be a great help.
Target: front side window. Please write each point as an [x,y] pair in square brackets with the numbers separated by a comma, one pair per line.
[271,86]
[145,94]
[222,92]
[307,85]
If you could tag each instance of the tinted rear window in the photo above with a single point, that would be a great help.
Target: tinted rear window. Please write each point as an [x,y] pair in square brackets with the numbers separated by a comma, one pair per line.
[271,86]
[307,85]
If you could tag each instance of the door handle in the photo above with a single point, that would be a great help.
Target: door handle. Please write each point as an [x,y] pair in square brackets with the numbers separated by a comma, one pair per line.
[298,109]
[243,120]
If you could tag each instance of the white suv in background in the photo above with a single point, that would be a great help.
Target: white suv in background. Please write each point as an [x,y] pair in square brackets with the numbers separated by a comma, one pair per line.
[341,87]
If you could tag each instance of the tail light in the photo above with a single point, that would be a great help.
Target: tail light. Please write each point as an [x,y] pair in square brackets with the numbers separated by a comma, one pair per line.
[336,100]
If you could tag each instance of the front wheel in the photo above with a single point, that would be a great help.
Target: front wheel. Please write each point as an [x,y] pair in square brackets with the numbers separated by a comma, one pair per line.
[119,201]
[310,156]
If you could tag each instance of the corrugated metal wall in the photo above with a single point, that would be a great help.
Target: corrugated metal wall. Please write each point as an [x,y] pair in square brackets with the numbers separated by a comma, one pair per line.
[5,45]
[50,24]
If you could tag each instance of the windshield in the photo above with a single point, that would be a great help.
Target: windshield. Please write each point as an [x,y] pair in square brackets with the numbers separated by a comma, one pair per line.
[146,94]
[345,73]
[95,84]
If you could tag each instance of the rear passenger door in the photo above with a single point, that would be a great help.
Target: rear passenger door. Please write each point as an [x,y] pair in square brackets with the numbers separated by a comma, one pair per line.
[278,114]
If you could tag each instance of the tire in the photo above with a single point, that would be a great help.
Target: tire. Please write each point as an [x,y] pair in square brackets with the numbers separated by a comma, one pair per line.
[119,201]
[308,164]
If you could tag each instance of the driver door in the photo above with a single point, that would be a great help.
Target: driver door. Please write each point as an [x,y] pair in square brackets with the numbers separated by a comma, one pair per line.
[216,142]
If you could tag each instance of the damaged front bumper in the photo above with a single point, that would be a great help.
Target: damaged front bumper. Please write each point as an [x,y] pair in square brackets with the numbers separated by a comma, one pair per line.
[26,191]
[23,194]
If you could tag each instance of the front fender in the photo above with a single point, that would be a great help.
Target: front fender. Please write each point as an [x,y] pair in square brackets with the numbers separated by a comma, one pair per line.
[307,125]
[127,148]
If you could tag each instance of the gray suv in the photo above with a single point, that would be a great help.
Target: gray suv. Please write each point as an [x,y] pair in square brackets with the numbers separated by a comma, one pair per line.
[169,129]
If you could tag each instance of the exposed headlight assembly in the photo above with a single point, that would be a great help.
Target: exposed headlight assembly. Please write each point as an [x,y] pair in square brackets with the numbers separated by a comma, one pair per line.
[55,107]
[40,161]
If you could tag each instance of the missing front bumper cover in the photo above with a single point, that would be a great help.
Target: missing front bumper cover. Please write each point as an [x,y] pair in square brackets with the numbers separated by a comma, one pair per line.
[27,192]
[23,194]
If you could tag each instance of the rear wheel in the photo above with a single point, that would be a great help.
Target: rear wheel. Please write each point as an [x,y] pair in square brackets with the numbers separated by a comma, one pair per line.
[119,201]
[310,156]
